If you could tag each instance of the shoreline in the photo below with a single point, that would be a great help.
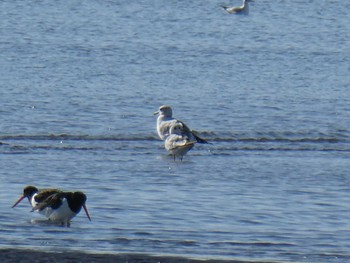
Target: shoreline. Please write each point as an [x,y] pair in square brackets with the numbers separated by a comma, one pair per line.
[9,255]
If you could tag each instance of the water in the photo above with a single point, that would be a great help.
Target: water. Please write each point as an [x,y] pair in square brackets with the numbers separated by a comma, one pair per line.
[81,79]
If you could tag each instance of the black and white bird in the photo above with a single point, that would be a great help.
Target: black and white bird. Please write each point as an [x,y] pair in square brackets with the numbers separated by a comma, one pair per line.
[58,206]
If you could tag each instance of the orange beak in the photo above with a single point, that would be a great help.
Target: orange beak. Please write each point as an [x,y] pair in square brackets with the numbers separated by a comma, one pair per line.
[86,212]
[18,201]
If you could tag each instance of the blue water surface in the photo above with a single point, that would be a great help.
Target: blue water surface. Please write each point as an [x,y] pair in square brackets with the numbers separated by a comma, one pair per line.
[80,81]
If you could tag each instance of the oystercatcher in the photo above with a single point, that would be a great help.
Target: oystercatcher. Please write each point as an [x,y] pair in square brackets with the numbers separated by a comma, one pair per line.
[56,205]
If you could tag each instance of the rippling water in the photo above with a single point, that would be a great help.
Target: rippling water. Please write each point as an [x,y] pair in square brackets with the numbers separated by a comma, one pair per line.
[270,91]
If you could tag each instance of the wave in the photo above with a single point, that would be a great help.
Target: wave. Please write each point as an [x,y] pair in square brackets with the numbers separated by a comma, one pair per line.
[252,244]
[221,143]
[313,137]
[75,137]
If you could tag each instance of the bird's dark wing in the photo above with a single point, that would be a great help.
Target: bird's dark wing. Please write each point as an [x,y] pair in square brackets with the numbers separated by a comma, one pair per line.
[192,134]
[53,201]
[44,194]
[199,139]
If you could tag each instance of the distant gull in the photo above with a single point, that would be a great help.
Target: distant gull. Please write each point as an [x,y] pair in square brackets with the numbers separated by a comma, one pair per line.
[177,143]
[243,9]
[165,121]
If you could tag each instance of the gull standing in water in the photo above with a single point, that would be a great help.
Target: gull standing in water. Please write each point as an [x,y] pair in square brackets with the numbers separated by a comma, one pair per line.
[243,9]
[165,121]
[177,143]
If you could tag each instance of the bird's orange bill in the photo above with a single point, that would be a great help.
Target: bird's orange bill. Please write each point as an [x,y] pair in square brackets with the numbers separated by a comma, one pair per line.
[86,212]
[18,201]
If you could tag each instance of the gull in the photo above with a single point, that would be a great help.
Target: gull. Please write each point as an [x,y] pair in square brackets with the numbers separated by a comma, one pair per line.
[178,144]
[165,120]
[243,9]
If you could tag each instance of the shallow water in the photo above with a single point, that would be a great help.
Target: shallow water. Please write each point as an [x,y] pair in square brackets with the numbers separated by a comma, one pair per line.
[270,91]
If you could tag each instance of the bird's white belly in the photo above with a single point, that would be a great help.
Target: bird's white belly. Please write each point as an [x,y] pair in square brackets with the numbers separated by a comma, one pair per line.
[61,214]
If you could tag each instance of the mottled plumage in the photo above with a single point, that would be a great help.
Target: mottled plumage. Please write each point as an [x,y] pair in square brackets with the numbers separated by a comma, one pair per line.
[177,143]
